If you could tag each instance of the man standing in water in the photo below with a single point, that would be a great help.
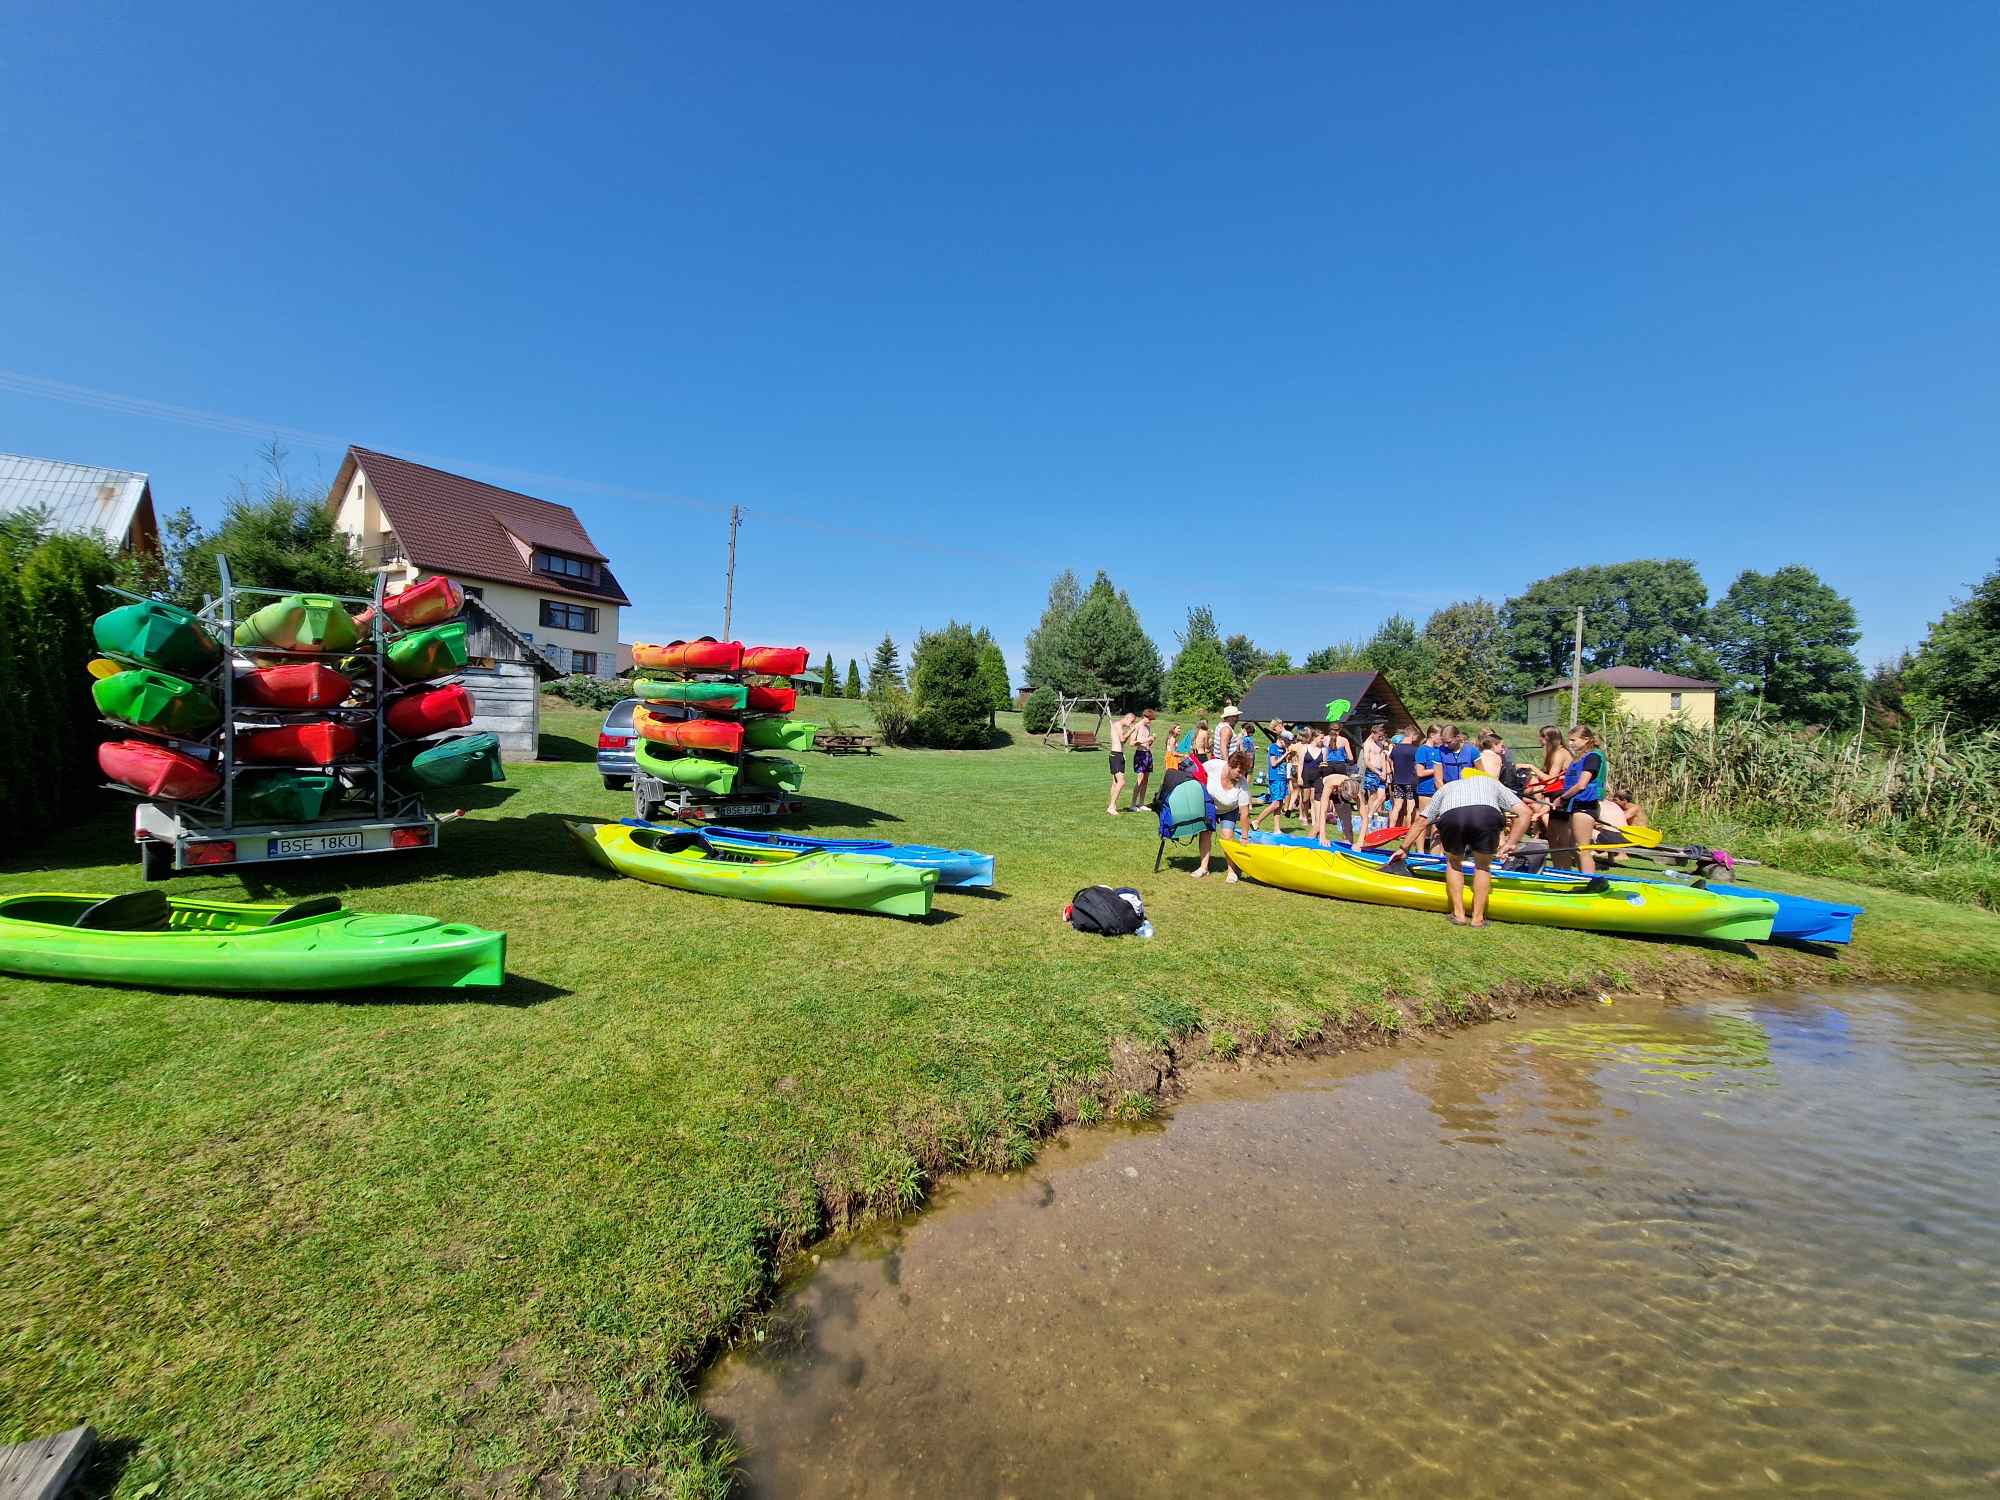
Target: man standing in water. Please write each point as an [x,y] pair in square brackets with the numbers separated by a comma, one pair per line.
[1142,759]
[1120,727]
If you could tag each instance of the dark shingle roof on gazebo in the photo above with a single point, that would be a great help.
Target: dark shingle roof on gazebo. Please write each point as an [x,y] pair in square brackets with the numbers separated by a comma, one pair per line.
[1305,697]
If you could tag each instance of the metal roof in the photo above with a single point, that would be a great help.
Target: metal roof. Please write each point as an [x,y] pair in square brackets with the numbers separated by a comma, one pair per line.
[76,496]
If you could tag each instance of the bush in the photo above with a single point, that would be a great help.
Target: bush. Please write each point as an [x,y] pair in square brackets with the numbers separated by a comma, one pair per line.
[895,714]
[1038,714]
[48,742]
[591,692]
[954,699]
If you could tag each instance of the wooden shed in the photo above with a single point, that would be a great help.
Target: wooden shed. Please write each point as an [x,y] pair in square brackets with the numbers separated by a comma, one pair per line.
[504,673]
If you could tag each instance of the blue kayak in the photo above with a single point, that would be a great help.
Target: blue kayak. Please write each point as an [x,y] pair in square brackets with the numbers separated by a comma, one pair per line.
[958,869]
[1800,918]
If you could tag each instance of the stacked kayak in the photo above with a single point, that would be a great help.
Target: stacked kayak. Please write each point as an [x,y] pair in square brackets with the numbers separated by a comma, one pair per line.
[156,770]
[1577,901]
[153,633]
[957,869]
[323,743]
[432,765]
[428,711]
[785,877]
[436,651]
[147,938]
[287,796]
[694,729]
[432,601]
[293,687]
[157,702]
[299,622]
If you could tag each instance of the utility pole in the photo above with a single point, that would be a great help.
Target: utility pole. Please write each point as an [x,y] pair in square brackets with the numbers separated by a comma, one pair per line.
[1576,674]
[729,587]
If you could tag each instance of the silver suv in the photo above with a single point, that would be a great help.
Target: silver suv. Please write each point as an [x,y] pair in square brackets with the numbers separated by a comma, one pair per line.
[614,746]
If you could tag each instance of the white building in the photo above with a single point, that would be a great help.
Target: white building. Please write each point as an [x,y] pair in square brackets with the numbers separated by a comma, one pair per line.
[529,561]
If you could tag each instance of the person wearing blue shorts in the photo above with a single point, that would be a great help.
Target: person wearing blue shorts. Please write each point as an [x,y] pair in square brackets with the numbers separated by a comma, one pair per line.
[1278,771]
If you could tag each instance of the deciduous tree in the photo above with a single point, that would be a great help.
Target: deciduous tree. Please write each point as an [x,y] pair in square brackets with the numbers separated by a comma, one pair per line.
[1956,671]
[1786,640]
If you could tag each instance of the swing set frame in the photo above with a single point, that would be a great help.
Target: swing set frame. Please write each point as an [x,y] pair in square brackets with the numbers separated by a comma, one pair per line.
[1061,736]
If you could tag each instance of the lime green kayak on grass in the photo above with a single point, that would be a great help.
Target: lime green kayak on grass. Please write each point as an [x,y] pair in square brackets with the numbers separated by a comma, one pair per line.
[178,943]
[157,701]
[729,696]
[785,877]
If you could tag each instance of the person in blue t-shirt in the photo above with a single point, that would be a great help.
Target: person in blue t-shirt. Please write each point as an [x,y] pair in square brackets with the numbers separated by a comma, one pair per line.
[1430,767]
[1458,754]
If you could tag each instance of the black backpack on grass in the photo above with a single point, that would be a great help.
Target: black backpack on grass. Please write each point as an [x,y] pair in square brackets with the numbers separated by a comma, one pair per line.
[1100,909]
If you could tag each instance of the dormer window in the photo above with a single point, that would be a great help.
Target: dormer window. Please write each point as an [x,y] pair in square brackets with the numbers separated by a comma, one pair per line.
[562,565]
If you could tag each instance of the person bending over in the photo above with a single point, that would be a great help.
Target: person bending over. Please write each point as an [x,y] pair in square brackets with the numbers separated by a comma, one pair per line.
[1229,789]
[1469,815]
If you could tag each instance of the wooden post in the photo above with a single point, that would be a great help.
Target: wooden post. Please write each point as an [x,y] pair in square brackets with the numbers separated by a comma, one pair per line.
[1576,674]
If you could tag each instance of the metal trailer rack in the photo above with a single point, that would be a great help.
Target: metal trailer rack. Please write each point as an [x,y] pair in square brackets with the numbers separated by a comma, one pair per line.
[653,798]
[206,835]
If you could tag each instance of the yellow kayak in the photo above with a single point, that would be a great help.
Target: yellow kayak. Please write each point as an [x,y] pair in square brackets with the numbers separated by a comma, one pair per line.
[785,877]
[1589,904]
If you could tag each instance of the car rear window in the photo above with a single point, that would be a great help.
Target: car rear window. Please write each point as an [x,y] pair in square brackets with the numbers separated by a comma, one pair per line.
[620,716]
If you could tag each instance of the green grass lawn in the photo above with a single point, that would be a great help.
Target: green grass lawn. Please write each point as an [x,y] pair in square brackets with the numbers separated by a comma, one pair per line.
[468,1244]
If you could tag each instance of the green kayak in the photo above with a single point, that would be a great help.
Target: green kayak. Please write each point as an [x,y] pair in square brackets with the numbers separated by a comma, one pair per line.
[726,696]
[462,760]
[300,622]
[178,943]
[764,771]
[696,771]
[157,634]
[286,796]
[424,654]
[778,734]
[156,701]
[785,877]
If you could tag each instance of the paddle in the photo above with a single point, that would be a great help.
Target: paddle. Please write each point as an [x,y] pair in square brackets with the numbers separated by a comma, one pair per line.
[1382,836]
[102,667]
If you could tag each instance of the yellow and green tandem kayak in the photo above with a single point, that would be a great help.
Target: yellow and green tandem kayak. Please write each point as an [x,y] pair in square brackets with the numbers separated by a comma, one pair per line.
[177,943]
[784,877]
[1591,904]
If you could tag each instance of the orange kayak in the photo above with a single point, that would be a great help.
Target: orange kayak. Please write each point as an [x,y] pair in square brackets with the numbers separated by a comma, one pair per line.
[704,655]
[689,734]
[774,661]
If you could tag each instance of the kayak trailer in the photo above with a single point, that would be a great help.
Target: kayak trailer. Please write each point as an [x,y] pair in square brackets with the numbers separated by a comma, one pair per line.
[207,835]
[654,800]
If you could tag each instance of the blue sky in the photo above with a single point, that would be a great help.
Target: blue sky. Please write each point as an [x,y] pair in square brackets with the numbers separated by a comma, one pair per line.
[1309,313]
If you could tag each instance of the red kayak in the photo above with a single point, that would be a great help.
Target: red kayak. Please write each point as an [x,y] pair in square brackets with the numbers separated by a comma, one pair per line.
[157,771]
[296,744]
[689,734]
[771,700]
[431,601]
[431,711]
[705,655]
[774,661]
[295,685]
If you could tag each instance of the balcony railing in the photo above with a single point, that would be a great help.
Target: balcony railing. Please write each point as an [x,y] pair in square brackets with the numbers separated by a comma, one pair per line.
[383,554]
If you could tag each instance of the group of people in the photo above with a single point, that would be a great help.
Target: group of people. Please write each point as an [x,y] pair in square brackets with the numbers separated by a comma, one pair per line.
[1463,794]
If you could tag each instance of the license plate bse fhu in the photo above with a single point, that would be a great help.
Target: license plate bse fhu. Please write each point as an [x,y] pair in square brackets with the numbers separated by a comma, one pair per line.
[318,843]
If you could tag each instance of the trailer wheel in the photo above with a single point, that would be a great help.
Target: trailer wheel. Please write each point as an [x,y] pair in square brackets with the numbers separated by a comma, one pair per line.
[644,808]
[156,860]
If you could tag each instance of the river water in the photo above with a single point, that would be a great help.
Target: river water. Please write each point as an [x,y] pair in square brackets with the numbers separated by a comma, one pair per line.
[1730,1246]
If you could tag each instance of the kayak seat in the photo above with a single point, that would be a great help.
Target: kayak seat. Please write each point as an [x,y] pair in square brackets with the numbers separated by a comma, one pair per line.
[313,906]
[135,911]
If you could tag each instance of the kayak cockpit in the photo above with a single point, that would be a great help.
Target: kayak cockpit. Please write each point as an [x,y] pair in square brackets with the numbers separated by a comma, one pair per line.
[151,911]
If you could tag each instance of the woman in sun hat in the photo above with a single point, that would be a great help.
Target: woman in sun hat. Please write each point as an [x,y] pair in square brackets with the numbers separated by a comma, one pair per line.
[1225,731]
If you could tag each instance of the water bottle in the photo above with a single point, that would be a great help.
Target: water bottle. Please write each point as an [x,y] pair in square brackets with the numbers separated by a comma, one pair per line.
[1145,928]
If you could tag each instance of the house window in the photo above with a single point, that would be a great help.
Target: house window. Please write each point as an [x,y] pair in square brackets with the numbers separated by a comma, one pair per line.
[560,616]
[584,662]
[1674,703]
[475,591]
[560,565]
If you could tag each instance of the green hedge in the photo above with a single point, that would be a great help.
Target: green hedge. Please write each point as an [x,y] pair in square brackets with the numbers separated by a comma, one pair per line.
[49,733]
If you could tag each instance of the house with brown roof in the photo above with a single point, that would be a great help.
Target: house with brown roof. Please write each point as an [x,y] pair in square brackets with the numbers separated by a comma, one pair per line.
[528,561]
[1642,694]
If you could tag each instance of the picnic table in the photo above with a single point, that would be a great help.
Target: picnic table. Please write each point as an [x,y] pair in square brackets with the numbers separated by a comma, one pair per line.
[839,742]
